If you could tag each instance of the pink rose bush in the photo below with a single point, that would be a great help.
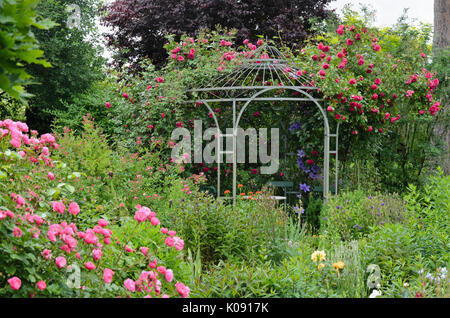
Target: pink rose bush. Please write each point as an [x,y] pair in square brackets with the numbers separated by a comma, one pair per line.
[44,244]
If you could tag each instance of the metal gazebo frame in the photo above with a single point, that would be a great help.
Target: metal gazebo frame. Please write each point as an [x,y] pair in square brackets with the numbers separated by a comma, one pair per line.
[267,67]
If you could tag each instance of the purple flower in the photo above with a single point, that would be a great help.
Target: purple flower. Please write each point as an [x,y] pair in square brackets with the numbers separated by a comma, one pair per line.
[298,210]
[304,187]
[300,154]
[296,126]
[315,169]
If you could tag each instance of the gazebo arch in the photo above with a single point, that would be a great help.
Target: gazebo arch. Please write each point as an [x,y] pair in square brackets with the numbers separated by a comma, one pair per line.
[239,86]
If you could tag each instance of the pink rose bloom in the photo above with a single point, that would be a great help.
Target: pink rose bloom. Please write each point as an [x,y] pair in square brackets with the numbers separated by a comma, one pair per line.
[161,269]
[45,151]
[164,230]
[17,232]
[90,266]
[74,208]
[103,222]
[16,142]
[169,275]
[155,221]
[172,233]
[59,207]
[47,254]
[97,254]
[15,282]
[153,263]
[125,95]
[182,289]
[107,275]
[51,176]
[130,285]
[144,250]
[90,237]
[60,261]
[108,105]
[47,138]
[41,285]
[141,214]
[169,242]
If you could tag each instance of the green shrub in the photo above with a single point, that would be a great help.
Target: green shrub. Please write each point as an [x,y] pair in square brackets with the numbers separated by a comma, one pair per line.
[351,215]
[393,249]
[221,232]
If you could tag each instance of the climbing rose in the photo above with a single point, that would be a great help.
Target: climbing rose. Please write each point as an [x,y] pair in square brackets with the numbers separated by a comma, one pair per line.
[15,282]
[102,222]
[108,105]
[51,176]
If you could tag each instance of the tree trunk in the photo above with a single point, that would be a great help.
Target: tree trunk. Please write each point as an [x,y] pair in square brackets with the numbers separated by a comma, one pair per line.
[441,25]
[441,41]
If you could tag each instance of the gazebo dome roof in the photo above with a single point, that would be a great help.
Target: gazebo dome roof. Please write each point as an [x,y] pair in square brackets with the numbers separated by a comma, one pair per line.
[265,67]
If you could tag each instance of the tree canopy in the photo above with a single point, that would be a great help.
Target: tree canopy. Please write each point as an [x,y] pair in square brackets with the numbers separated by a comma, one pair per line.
[139,26]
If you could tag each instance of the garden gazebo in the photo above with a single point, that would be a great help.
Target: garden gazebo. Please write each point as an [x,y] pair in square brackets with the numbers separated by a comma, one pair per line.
[264,71]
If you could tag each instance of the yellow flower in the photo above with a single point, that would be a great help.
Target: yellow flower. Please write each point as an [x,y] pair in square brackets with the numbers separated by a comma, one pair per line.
[314,236]
[339,265]
[320,266]
[318,254]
